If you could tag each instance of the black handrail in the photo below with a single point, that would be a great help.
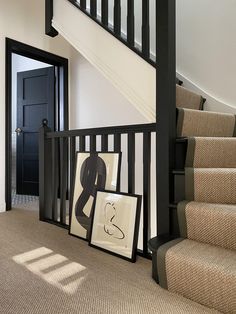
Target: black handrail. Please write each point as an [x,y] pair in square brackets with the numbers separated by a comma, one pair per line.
[135,128]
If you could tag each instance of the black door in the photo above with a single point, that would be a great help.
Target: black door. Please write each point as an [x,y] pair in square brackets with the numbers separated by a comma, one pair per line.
[35,102]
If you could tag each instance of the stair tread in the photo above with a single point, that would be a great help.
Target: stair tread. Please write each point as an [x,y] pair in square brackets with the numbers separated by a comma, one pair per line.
[201,272]
[208,223]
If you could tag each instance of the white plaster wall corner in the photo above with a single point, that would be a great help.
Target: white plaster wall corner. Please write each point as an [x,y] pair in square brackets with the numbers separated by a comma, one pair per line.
[2,208]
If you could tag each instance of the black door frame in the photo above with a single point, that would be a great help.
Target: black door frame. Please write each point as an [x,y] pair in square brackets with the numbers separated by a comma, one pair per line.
[61,64]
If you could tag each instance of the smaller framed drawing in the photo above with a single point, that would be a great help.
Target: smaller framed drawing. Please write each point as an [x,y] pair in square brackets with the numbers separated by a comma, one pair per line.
[115,223]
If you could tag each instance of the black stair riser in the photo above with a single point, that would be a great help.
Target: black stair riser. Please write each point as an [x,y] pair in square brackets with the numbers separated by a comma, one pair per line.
[179,189]
[180,153]
[174,225]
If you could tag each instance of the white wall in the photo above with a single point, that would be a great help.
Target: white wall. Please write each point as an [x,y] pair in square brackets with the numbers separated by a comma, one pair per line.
[206,49]
[96,102]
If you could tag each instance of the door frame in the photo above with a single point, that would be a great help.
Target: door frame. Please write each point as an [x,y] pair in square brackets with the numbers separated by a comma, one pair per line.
[61,64]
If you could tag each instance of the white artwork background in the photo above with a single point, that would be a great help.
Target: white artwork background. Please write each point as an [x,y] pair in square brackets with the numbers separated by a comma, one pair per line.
[125,215]
[112,162]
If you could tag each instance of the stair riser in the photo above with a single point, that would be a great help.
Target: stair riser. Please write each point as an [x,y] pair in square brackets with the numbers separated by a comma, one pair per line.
[179,190]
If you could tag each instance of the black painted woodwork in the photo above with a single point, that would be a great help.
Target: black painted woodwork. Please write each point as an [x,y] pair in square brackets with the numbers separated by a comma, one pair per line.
[63,177]
[165,110]
[130,22]
[104,9]
[55,177]
[146,189]
[45,174]
[122,38]
[49,29]
[35,102]
[104,143]
[131,163]
[154,245]
[81,143]
[13,46]
[117,17]
[117,142]
[64,167]
[83,4]
[93,8]
[93,143]
[145,29]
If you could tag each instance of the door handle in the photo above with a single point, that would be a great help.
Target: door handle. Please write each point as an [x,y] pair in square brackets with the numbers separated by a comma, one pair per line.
[18,131]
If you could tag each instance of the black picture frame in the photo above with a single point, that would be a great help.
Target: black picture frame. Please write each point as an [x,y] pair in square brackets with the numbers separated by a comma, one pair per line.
[73,189]
[132,257]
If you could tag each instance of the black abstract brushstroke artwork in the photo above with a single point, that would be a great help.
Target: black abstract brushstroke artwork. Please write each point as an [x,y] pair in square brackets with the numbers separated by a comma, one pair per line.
[92,177]
[109,227]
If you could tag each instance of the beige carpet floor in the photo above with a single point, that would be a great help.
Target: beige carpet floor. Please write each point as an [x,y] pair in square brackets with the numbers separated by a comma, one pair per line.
[44,270]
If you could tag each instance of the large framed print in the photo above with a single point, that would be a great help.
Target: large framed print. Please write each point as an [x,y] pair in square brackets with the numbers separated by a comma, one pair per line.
[93,171]
[115,223]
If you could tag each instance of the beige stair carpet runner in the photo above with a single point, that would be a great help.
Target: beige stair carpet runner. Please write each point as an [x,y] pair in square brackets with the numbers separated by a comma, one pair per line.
[201,265]
[188,99]
[211,185]
[204,123]
[210,223]
[212,152]
[200,272]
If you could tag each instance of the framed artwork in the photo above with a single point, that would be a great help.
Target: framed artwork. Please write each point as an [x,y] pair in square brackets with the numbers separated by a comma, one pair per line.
[115,223]
[93,171]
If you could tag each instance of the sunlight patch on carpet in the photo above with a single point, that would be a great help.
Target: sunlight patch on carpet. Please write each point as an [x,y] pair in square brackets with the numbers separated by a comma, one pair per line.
[54,268]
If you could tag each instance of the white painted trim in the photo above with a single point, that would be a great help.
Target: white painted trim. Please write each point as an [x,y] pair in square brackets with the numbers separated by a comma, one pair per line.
[2,207]
[212,102]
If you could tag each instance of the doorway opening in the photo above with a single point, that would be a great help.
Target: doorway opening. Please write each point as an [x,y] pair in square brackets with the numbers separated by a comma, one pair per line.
[36,89]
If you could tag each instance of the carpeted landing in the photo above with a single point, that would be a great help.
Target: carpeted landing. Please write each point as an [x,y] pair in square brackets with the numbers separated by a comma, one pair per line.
[44,270]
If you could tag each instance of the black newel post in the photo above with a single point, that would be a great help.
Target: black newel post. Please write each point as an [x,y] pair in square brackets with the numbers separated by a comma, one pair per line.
[45,173]
[165,109]
[49,29]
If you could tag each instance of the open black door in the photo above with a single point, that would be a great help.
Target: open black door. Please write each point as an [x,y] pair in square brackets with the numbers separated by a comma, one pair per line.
[35,102]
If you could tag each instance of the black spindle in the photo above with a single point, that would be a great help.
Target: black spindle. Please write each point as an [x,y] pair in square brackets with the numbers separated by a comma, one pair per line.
[55,178]
[82,143]
[63,178]
[117,17]
[45,173]
[93,144]
[93,8]
[104,143]
[146,189]
[130,23]
[131,162]
[72,161]
[83,4]
[105,12]
[145,29]
[117,142]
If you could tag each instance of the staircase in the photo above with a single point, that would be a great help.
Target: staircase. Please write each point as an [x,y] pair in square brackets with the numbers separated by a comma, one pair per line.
[197,258]
[201,263]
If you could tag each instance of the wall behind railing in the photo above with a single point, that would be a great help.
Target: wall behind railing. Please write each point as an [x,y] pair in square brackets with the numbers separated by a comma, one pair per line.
[206,49]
